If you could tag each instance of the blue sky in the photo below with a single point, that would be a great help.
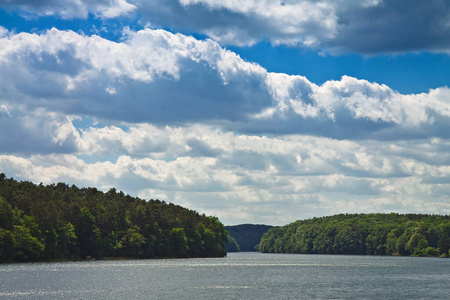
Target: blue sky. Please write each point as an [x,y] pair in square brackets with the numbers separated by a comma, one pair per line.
[252,111]
[407,73]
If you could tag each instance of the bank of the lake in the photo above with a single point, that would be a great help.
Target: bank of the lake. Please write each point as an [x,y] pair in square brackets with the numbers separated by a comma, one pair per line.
[58,221]
[247,275]
[373,234]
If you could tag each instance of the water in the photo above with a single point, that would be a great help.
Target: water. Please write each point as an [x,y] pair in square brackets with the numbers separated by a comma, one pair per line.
[238,276]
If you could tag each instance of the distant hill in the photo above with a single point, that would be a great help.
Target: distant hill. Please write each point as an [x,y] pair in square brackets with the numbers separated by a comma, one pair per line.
[50,222]
[373,234]
[245,237]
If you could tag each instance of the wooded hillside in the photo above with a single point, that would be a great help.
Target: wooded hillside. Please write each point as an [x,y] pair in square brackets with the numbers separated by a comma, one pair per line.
[245,237]
[58,221]
[375,234]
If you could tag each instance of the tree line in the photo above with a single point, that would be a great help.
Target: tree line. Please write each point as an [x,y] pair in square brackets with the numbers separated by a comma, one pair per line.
[58,221]
[373,234]
[244,237]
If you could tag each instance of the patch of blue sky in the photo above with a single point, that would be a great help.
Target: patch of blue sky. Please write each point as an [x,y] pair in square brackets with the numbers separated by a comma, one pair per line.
[92,159]
[408,73]
[111,29]
[86,122]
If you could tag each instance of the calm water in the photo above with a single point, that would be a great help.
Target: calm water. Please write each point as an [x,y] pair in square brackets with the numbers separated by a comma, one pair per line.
[238,276]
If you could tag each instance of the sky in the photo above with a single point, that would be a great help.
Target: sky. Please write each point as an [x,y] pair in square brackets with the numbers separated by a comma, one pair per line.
[253,111]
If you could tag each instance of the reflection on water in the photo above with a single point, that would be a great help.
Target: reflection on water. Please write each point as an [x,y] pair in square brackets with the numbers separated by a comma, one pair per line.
[238,276]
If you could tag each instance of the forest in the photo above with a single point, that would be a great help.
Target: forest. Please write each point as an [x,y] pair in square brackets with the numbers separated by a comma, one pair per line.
[59,222]
[244,237]
[372,234]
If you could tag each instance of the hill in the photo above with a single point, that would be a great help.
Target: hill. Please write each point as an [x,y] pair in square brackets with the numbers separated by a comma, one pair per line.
[50,222]
[375,234]
[245,237]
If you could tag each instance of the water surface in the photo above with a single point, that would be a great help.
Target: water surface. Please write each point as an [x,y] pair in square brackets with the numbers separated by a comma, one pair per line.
[238,276]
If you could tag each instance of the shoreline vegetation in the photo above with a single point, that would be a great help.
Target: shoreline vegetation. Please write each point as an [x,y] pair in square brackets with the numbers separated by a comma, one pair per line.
[363,234]
[61,223]
[245,237]
[58,222]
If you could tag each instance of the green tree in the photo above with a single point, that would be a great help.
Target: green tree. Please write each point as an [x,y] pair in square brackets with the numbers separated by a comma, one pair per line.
[62,221]
[431,251]
[51,244]
[27,246]
[133,243]
[66,240]
[416,244]
[6,215]
[7,245]
[232,245]
[247,236]
[402,241]
[444,238]
[161,241]
[178,242]
[391,241]
[196,244]
[376,234]
[87,236]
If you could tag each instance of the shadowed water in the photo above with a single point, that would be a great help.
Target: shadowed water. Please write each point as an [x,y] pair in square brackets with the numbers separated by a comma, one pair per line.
[238,276]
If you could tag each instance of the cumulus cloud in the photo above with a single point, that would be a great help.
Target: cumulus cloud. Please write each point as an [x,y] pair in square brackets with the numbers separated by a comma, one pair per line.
[158,77]
[37,131]
[245,22]
[191,122]
[70,9]
[166,115]
[142,79]
[367,27]
[285,177]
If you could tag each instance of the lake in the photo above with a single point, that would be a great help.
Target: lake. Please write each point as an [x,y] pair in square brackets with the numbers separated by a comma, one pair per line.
[239,276]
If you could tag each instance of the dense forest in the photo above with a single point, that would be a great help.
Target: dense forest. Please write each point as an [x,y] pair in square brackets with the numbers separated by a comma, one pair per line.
[373,234]
[244,237]
[58,221]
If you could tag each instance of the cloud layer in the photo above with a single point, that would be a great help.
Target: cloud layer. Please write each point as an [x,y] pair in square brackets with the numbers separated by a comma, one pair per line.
[166,115]
[162,78]
[71,9]
[245,178]
[185,120]
[368,27]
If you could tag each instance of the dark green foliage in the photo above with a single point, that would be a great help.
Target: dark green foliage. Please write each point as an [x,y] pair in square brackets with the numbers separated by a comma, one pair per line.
[40,222]
[178,242]
[245,237]
[374,234]
[232,245]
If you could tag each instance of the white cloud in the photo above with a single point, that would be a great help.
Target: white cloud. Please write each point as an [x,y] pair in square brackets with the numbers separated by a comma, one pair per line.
[338,26]
[194,123]
[220,173]
[152,72]
[4,109]
[70,9]
[35,131]
[112,9]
